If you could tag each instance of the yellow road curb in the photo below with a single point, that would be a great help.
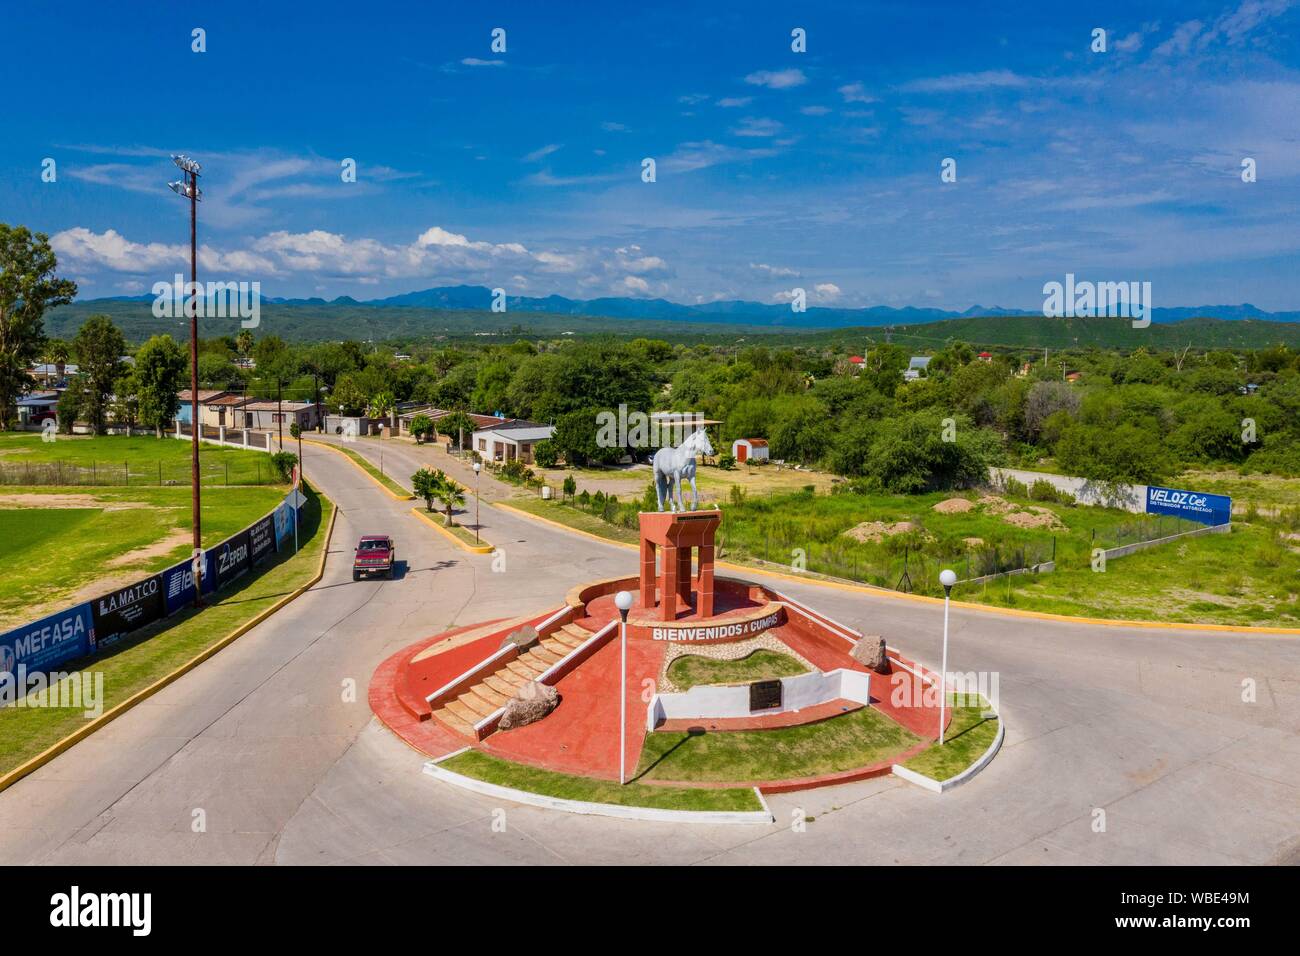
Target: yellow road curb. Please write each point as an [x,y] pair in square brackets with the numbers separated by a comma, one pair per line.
[483,548]
[388,491]
[41,759]
[968,605]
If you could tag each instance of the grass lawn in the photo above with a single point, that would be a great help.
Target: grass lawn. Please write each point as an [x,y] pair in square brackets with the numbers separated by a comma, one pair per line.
[573,518]
[125,460]
[463,533]
[49,554]
[480,766]
[1250,576]
[153,652]
[691,669]
[968,736]
[374,472]
[854,740]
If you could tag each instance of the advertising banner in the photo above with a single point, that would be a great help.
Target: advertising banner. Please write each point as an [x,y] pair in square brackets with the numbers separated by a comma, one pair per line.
[229,559]
[47,643]
[1193,505]
[284,517]
[126,609]
[178,583]
[261,541]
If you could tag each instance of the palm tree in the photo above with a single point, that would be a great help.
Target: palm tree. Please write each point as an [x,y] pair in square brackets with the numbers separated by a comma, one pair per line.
[449,493]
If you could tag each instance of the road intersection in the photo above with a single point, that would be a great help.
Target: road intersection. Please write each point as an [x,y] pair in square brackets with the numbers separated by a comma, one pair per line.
[1124,745]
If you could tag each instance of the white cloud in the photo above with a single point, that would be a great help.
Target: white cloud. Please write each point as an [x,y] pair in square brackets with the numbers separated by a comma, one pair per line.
[967,82]
[541,153]
[1181,40]
[855,93]
[81,248]
[776,272]
[635,285]
[751,126]
[475,61]
[815,110]
[731,102]
[691,156]
[826,291]
[777,79]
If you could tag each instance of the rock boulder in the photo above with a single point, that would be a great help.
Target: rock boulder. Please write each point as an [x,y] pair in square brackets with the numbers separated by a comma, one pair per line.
[870,652]
[523,638]
[531,702]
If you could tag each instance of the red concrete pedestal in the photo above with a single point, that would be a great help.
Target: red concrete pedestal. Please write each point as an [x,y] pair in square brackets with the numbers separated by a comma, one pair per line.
[676,534]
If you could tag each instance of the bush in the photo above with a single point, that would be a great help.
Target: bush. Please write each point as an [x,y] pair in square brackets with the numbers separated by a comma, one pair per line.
[546,454]
[1015,488]
[726,462]
[283,462]
[1044,490]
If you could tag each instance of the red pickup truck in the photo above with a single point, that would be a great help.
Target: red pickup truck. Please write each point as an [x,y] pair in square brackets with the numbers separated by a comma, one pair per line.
[375,553]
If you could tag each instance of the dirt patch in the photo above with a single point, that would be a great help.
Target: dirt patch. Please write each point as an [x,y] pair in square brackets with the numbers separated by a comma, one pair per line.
[974,542]
[158,549]
[954,506]
[871,532]
[1034,518]
[995,505]
[67,501]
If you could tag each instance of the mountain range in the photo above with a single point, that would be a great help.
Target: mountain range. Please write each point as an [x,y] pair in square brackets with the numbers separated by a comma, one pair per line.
[728,312]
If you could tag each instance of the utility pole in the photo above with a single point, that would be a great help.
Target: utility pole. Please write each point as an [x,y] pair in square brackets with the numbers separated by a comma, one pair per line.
[189,188]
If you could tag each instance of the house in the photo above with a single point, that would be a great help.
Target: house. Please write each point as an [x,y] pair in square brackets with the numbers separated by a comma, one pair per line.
[511,441]
[749,449]
[1073,376]
[267,415]
[1025,369]
[37,408]
[986,356]
[208,414]
[408,415]
[856,362]
[53,373]
[918,365]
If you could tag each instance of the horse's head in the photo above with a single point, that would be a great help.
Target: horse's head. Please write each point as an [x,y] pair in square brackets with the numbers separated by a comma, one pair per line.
[699,443]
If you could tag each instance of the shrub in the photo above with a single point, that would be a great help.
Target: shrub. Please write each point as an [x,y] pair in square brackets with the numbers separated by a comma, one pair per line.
[546,454]
[726,462]
[283,463]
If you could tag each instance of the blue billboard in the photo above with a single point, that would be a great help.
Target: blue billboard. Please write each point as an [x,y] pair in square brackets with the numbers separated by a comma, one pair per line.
[178,583]
[284,517]
[1192,505]
[47,643]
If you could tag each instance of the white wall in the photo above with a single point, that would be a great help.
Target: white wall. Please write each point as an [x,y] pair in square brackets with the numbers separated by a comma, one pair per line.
[803,690]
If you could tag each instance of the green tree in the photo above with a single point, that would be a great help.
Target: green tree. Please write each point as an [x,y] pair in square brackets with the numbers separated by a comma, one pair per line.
[570,486]
[421,428]
[99,346]
[158,375]
[28,287]
[457,426]
[434,485]
[244,343]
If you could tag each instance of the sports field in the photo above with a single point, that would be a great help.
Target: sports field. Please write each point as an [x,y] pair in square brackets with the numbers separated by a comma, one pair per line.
[60,544]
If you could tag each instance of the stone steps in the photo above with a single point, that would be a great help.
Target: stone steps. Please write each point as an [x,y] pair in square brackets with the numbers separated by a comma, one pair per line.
[490,695]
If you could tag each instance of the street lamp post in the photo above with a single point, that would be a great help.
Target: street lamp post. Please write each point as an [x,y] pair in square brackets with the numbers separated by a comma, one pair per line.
[189,189]
[623,601]
[478,466]
[947,578]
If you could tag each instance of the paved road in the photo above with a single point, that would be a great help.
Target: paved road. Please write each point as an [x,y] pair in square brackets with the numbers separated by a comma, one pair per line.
[265,746]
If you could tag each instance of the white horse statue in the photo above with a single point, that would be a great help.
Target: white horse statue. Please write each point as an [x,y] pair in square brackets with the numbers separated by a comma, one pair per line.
[672,465]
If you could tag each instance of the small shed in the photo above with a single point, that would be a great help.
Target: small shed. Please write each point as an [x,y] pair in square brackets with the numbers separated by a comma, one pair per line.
[746,449]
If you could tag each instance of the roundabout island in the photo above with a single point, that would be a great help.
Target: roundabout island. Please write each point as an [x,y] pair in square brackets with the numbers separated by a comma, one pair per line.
[675,694]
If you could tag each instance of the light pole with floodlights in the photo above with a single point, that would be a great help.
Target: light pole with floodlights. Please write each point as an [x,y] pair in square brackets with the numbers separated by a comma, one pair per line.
[623,601]
[947,578]
[478,466]
[188,188]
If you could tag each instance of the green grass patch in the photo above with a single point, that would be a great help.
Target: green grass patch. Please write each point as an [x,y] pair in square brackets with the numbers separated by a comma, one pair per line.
[375,473]
[854,740]
[49,555]
[480,766]
[573,518]
[111,460]
[968,736]
[152,652]
[691,669]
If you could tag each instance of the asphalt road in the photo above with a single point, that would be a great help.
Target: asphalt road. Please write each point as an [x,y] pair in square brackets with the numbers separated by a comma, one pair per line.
[1124,745]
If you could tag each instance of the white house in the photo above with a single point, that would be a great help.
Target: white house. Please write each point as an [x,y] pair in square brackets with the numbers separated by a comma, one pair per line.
[918,366]
[510,441]
[749,449]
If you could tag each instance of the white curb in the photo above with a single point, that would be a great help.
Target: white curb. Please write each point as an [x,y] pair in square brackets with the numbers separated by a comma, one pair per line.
[936,786]
[763,816]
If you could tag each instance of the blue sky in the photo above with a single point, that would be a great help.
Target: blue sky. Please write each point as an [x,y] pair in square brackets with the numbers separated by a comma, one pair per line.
[775,169]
